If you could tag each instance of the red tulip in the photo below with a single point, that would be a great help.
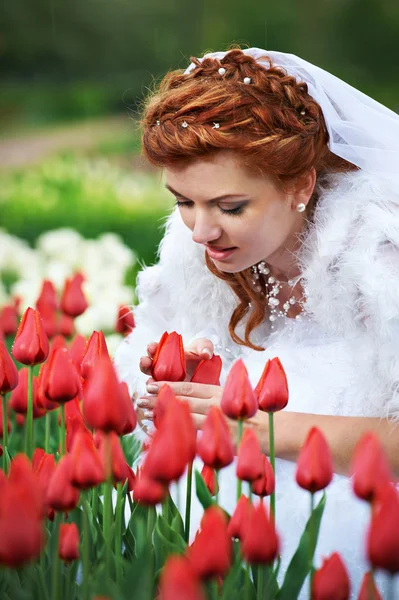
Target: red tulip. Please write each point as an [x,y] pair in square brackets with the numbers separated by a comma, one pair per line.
[63,381]
[68,547]
[8,370]
[211,552]
[249,457]
[67,325]
[173,445]
[19,397]
[1,421]
[165,396]
[260,544]
[215,446]
[104,399]
[73,301]
[87,467]
[74,424]
[208,371]
[47,297]
[331,580]
[272,389]
[179,581]
[77,350]
[31,345]
[238,399]
[9,320]
[130,476]
[169,362]
[22,475]
[209,476]
[368,589]
[110,449]
[238,524]
[370,467]
[96,348]
[148,491]
[36,458]
[265,485]
[60,494]
[44,472]
[49,319]
[130,413]
[125,320]
[314,468]
[383,535]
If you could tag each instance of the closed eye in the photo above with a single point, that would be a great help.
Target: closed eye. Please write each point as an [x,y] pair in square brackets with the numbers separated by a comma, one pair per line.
[233,211]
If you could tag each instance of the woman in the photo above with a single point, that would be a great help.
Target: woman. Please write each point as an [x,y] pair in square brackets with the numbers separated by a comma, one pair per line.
[284,243]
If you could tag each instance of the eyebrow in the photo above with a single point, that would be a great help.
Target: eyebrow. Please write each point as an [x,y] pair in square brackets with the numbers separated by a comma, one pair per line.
[218,199]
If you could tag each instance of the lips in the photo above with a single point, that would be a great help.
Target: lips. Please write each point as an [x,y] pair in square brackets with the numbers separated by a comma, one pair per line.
[219,249]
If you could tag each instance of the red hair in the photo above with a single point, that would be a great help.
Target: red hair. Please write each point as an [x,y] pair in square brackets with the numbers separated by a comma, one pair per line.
[273,124]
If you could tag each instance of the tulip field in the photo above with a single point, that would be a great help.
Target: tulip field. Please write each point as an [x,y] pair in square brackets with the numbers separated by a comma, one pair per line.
[85,509]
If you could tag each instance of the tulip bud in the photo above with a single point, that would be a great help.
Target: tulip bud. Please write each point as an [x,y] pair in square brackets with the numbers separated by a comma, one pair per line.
[215,446]
[209,476]
[67,325]
[238,399]
[49,319]
[8,370]
[96,348]
[178,581]
[211,552]
[169,362]
[368,588]
[63,381]
[148,491]
[272,389]
[60,494]
[8,320]
[74,424]
[77,350]
[31,345]
[208,371]
[87,467]
[130,413]
[238,524]
[112,455]
[47,297]
[249,457]
[19,397]
[73,301]
[260,544]
[314,467]
[331,580]
[383,535]
[125,320]
[370,467]
[165,397]
[68,548]
[265,485]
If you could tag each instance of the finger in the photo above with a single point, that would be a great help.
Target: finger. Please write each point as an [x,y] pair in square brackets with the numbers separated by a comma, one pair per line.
[198,406]
[198,421]
[187,388]
[152,348]
[202,347]
[146,362]
[146,402]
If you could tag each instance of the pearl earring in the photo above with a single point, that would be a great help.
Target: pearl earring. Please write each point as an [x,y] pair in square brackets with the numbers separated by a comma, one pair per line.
[301,207]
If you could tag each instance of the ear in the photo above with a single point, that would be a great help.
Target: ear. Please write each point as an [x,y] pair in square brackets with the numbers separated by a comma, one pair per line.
[304,187]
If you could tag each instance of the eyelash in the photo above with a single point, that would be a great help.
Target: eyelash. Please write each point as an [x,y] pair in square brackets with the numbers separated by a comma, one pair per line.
[233,211]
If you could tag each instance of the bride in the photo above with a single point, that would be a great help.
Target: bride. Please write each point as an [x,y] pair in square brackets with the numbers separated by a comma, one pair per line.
[284,242]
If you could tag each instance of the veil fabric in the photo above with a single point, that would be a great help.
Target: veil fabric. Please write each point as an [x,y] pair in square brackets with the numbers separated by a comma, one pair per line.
[362,131]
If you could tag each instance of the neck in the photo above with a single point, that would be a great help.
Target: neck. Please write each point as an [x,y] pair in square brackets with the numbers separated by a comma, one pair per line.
[283,264]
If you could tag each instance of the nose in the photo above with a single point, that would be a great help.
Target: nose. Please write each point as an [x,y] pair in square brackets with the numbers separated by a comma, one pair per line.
[205,229]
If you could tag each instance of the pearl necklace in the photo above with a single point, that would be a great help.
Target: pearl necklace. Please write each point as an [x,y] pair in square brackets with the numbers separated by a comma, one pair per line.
[273,288]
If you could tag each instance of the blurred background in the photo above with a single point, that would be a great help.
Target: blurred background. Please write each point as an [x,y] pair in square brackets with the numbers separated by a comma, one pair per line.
[73,74]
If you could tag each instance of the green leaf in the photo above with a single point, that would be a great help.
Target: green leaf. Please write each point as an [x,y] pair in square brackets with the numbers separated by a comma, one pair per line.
[238,582]
[131,447]
[298,569]
[166,541]
[203,493]
[270,587]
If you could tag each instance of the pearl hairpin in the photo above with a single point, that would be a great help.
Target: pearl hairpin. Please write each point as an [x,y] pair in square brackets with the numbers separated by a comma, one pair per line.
[221,71]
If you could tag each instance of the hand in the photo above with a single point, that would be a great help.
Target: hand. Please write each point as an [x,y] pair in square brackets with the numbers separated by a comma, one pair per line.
[193,354]
[201,397]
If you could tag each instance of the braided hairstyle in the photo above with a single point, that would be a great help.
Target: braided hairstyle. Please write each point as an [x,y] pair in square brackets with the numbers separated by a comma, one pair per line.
[272,123]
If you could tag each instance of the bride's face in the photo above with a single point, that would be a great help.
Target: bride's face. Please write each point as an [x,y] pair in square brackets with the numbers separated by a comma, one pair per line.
[226,207]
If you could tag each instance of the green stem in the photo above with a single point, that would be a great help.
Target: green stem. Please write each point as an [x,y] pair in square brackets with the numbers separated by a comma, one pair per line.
[29,424]
[47,432]
[86,547]
[118,534]
[311,543]
[150,524]
[63,430]
[188,503]
[107,517]
[94,502]
[5,431]
[239,436]
[272,462]
[259,594]
[55,583]
[68,576]
[43,585]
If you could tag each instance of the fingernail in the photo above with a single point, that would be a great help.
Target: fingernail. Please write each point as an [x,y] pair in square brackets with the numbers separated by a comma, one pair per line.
[148,413]
[141,402]
[207,351]
[151,387]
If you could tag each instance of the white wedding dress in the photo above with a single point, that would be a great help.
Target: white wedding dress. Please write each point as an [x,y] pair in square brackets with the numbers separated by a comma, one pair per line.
[340,358]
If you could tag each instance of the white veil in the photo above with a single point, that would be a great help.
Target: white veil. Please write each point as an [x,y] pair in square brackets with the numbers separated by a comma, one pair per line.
[362,130]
